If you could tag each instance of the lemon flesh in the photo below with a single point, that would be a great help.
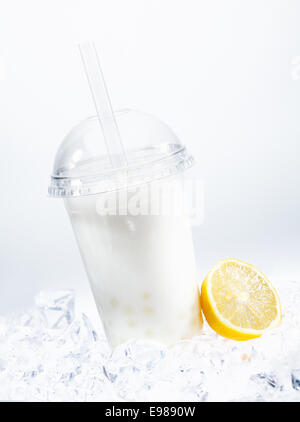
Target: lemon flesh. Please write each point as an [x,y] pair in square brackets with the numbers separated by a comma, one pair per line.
[238,301]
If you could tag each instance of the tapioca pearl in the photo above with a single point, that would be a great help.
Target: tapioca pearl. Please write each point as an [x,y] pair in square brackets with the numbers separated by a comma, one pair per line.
[131,323]
[148,310]
[148,333]
[114,302]
[146,295]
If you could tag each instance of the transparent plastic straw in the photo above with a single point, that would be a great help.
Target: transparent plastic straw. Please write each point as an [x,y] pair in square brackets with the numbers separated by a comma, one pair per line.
[102,103]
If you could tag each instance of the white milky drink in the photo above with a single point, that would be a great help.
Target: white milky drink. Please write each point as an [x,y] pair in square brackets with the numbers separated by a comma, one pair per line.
[141,268]
[132,227]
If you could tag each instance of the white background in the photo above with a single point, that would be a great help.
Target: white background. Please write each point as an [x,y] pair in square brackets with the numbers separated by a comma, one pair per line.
[223,74]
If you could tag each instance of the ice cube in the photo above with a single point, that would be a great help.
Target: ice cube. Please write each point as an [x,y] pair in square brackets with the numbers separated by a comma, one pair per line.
[130,367]
[56,308]
[55,356]
[296,379]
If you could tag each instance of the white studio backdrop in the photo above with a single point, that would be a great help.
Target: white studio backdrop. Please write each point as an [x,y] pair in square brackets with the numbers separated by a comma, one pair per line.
[225,75]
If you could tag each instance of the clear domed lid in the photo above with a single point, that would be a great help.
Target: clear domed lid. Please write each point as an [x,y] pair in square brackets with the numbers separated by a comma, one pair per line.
[82,166]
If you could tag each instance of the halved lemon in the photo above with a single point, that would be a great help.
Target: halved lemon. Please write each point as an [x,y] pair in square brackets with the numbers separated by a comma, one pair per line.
[238,301]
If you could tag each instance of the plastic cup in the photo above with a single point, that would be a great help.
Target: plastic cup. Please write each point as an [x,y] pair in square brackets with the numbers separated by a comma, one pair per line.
[132,228]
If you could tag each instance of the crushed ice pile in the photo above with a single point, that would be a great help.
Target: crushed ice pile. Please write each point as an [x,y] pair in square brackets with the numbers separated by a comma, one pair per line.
[49,354]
